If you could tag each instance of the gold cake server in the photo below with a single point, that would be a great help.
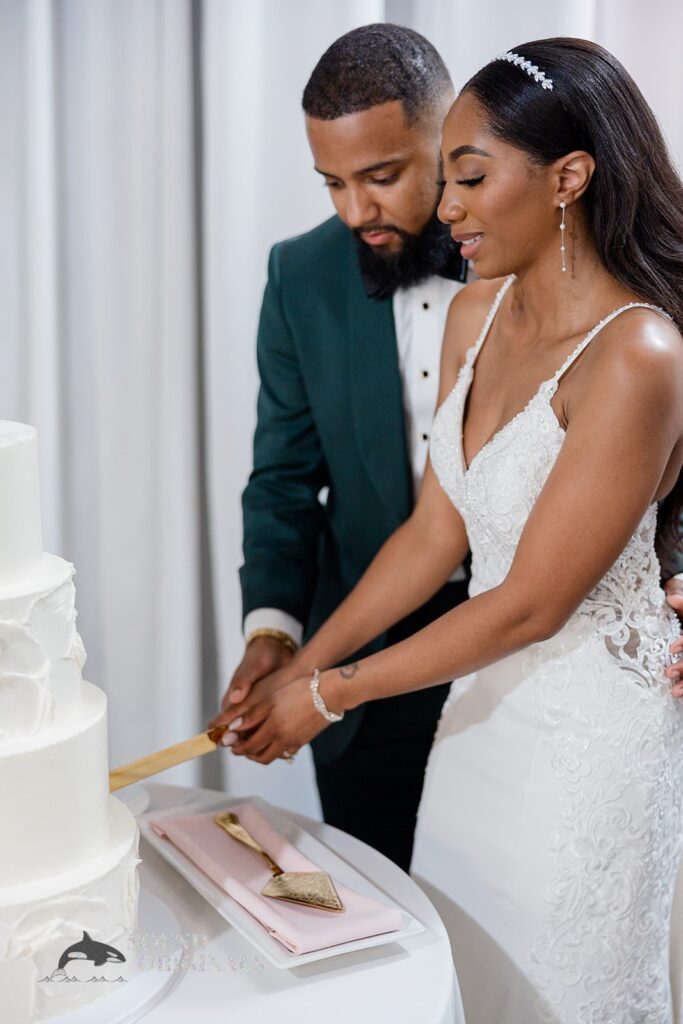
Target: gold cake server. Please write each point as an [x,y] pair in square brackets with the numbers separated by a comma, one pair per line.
[308,888]
[204,743]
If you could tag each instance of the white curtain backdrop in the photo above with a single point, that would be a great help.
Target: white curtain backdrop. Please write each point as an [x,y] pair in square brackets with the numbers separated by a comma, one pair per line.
[99,346]
[151,153]
[645,37]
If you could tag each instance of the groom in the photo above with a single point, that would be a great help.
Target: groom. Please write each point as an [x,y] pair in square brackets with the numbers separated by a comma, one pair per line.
[348,351]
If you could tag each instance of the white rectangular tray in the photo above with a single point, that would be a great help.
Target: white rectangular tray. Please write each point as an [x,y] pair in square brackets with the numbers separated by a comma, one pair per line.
[240,918]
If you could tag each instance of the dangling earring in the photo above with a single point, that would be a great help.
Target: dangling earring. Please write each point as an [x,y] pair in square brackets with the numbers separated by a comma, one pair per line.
[563,226]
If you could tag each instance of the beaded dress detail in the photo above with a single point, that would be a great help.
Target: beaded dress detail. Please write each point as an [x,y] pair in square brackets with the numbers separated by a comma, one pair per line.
[550,819]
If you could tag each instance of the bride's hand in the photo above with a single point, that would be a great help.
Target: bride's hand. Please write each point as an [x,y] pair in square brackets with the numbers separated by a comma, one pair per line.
[259,691]
[282,721]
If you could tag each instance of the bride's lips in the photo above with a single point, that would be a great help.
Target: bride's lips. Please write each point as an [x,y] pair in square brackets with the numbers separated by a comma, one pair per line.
[470,243]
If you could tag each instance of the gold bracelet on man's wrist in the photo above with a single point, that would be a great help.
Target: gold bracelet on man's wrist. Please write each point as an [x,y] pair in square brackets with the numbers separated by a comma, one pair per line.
[275,634]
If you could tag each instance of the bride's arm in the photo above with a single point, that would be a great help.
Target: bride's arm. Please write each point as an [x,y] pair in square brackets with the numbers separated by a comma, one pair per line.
[410,567]
[623,448]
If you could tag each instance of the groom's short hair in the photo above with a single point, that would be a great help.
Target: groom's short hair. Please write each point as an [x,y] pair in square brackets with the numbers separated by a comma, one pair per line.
[377,64]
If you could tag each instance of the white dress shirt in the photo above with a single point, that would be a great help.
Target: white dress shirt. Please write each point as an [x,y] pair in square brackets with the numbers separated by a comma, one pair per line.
[419,318]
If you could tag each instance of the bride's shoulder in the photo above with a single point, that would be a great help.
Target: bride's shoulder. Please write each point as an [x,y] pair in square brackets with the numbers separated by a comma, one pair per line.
[466,315]
[639,341]
[636,363]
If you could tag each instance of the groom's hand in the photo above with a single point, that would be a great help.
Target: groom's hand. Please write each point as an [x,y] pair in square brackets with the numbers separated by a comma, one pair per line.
[261,658]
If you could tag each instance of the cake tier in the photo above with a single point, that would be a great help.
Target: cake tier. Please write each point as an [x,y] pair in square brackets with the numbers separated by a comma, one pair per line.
[21,540]
[53,795]
[41,653]
[39,921]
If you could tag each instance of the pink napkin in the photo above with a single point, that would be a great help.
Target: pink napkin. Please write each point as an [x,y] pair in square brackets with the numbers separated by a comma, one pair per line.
[242,874]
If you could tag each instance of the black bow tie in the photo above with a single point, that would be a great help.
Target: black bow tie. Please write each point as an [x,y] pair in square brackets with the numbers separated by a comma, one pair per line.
[454,268]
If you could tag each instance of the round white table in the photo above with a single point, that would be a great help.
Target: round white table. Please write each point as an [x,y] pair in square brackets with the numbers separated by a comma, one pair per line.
[398,983]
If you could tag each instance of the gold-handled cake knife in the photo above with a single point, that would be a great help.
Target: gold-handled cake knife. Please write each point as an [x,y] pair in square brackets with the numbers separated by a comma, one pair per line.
[151,764]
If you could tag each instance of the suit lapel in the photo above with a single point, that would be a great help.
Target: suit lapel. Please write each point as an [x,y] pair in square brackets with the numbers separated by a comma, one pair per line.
[376,395]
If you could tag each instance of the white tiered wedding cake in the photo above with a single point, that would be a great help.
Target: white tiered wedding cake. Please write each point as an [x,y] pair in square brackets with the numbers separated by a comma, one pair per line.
[68,850]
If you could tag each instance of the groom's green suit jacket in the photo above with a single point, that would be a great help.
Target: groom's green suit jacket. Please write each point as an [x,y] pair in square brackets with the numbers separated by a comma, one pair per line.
[330,415]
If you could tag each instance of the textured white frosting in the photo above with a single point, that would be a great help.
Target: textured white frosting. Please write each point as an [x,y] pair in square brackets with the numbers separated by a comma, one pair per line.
[21,538]
[53,795]
[37,923]
[41,653]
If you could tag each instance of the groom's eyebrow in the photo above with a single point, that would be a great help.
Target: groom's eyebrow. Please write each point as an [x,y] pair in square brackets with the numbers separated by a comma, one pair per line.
[379,166]
[459,151]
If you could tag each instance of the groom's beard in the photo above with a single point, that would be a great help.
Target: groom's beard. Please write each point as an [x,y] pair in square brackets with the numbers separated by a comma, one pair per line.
[421,255]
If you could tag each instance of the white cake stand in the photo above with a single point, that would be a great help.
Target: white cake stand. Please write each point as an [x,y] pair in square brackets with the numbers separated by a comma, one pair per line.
[130,1002]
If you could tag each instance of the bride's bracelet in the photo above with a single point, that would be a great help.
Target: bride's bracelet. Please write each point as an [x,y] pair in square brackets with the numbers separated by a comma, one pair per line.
[319,703]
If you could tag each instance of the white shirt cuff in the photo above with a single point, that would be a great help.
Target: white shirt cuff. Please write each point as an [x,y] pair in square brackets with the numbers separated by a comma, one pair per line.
[274,618]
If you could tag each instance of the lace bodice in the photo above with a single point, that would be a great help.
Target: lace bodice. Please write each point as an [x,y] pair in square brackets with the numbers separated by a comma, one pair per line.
[496,493]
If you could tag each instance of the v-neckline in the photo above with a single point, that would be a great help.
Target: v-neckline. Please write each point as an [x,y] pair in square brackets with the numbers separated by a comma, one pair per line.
[467,467]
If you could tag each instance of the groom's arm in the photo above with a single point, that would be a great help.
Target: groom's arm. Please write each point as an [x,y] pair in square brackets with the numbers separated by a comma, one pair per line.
[282,515]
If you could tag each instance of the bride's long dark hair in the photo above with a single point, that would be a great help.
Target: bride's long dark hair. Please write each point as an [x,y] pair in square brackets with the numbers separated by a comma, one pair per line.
[634,203]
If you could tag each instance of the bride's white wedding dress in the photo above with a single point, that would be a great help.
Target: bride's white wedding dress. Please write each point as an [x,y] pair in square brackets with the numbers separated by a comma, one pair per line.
[549,832]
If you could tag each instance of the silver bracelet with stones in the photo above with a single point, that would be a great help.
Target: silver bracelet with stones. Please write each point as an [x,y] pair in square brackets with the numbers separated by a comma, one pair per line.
[319,703]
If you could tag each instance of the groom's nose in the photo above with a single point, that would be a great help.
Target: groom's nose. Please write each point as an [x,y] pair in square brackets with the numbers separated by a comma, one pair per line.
[360,209]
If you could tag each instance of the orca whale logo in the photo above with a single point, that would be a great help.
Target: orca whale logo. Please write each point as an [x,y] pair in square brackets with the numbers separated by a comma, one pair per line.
[88,949]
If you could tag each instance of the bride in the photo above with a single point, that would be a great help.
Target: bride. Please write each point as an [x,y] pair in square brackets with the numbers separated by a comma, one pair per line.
[550,822]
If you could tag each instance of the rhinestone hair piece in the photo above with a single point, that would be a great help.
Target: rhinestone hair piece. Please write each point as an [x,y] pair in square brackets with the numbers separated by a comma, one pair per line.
[526,65]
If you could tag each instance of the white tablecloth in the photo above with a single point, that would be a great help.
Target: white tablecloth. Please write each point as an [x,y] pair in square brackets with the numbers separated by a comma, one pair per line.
[400,983]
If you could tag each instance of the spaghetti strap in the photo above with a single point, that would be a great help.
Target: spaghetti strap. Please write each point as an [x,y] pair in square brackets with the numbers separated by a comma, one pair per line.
[554,381]
[473,352]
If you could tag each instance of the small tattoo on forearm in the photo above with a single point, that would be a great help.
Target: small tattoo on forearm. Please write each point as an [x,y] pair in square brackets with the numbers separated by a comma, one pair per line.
[349,671]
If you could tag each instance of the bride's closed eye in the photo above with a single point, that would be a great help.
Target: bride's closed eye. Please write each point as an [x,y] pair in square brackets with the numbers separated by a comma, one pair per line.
[470,182]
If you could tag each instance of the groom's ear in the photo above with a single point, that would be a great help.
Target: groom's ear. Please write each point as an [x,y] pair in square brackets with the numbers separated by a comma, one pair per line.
[574,172]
